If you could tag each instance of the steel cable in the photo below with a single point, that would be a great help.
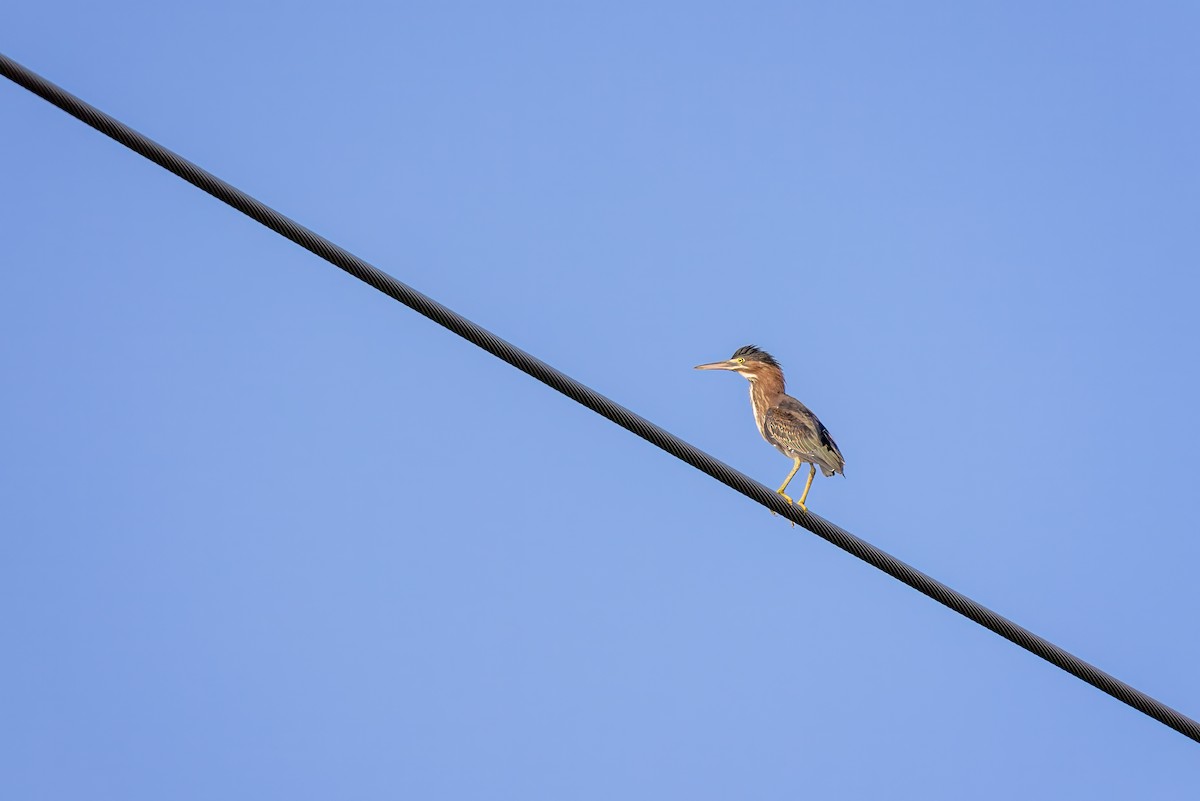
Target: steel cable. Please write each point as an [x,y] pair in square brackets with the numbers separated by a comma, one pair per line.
[593,400]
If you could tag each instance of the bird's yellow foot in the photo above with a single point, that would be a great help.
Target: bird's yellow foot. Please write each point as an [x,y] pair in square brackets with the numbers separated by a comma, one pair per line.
[786,497]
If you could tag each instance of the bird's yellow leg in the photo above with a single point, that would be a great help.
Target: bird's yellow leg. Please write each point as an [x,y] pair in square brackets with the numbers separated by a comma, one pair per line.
[807,485]
[788,480]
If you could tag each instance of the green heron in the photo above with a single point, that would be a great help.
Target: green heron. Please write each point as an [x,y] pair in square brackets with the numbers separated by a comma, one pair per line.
[782,420]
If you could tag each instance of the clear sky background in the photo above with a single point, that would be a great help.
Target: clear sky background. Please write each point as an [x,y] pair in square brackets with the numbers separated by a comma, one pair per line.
[269,534]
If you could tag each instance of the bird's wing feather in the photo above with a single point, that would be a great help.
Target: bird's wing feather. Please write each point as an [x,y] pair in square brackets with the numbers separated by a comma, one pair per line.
[794,429]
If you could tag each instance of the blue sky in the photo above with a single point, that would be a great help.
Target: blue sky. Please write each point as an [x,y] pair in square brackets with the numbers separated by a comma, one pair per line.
[269,534]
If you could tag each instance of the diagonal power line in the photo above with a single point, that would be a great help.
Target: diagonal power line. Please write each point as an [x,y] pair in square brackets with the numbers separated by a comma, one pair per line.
[593,400]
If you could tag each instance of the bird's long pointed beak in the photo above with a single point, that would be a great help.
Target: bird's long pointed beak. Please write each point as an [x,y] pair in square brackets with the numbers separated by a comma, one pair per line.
[726,365]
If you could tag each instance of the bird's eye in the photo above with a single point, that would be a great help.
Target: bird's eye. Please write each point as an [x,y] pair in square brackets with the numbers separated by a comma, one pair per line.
[740,360]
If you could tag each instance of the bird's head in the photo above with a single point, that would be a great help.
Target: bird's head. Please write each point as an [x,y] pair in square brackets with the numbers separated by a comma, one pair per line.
[751,362]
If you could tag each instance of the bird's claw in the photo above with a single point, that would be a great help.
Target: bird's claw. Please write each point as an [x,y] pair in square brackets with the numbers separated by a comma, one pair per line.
[787,498]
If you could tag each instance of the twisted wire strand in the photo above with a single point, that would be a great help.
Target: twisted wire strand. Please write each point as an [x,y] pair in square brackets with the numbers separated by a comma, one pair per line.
[593,400]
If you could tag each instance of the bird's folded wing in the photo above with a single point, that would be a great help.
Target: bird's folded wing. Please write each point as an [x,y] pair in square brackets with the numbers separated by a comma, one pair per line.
[792,425]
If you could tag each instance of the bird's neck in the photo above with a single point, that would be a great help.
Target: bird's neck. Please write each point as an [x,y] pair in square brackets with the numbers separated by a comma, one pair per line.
[768,388]
[765,392]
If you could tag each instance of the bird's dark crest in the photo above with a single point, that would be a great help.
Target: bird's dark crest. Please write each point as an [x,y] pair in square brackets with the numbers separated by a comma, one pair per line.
[753,353]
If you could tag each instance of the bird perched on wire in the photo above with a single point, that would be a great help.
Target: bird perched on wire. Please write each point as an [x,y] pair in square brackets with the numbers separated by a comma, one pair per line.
[782,420]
